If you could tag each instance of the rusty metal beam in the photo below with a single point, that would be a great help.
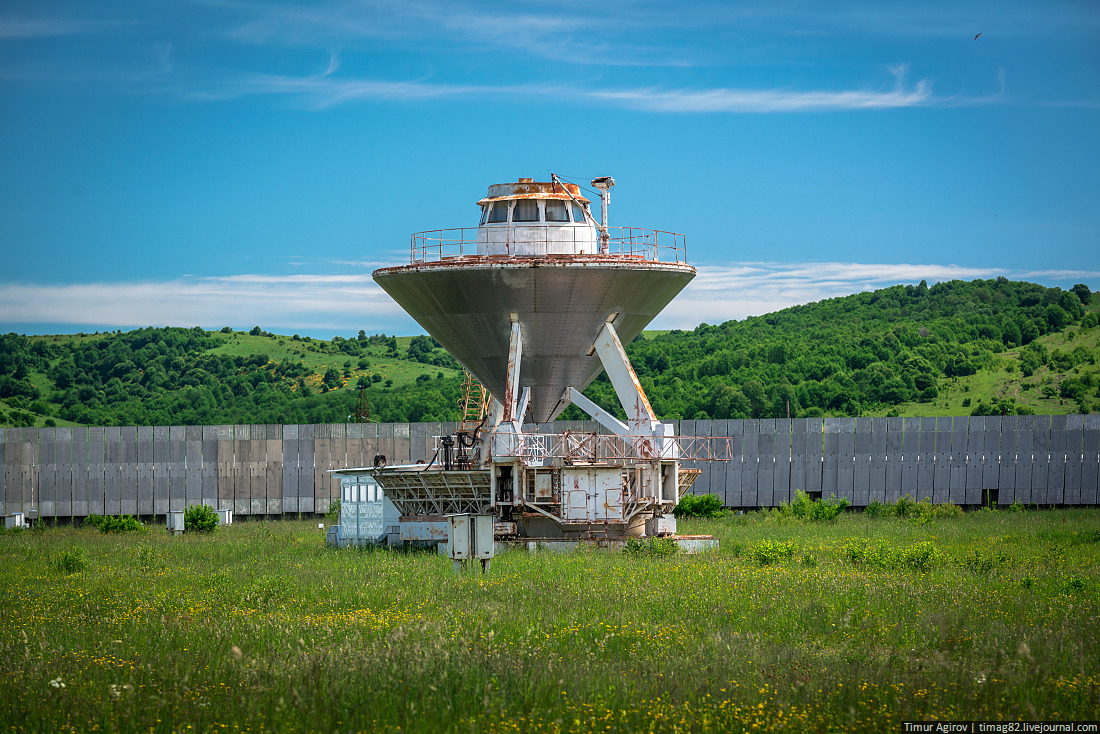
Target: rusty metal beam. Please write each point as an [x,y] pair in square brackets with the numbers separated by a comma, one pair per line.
[629,390]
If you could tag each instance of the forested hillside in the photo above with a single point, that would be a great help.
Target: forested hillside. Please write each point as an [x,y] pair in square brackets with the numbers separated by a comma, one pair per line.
[986,346]
[174,376]
[908,350]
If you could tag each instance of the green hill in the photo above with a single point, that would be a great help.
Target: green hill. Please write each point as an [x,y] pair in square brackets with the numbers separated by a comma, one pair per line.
[175,376]
[957,347]
[986,346]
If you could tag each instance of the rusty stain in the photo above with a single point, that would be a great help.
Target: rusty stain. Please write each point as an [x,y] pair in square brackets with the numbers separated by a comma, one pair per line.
[526,189]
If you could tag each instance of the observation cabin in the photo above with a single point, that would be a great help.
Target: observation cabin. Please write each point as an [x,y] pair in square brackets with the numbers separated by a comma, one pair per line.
[529,219]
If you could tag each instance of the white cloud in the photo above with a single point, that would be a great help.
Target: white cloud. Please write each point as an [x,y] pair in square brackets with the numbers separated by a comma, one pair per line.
[739,290]
[327,90]
[323,304]
[768,100]
[299,302]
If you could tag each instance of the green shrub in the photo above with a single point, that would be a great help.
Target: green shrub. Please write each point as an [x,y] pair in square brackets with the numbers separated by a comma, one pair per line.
[1075,584]
[878,509]
[654,547]
[767,552]
[920,557]
[923,512]
[113,524]
[699,505]
[70,561]
[905,506]
[122,524]
[200,519]
[947,509]
[983,564]
[803,508]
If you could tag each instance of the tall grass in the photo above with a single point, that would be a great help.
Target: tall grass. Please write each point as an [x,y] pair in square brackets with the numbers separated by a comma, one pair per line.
[264,629]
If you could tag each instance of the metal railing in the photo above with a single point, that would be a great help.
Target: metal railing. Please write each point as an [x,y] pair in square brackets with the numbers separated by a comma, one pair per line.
[645,244]
[582,447]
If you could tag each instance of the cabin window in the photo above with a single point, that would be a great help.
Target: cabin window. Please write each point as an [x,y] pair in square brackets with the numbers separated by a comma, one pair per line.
[484,212]
[500,212]
[527,210]
[578,214]
[555,211]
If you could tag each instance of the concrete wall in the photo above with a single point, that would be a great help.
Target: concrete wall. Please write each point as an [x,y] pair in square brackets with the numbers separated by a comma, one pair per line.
[273,469]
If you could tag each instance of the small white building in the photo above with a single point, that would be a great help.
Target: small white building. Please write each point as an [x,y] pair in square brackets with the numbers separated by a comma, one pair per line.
[367,517]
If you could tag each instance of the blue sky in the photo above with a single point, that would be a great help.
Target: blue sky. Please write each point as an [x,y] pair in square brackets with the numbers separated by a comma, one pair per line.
[239,163]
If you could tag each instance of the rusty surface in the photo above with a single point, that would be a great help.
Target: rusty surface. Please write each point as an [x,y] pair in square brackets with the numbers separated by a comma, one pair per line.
[526,189]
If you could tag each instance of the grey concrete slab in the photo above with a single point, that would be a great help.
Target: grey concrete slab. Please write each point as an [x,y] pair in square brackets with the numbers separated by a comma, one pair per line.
[975,453]
[959,456]
[1040,443]
[1025,454]
[1090,460]
[1059,450]
[861,464]
[3,472]
[47,472]
[750,441]
[145,477]
[781,477]
[814,456]
[242,473]
[306,488]
[128,469]
[161,471]
[112,469]
[1075,425]
[290,468]
[735,469]
[79,447]
[911,456]
[845,474]
[926,466]
[799,441]
[210,467]
[765,461]
[991,454]
[1006,464]
[878,480]
[830,457]
[177,468]
[63,457]
[95,471]
[193,466]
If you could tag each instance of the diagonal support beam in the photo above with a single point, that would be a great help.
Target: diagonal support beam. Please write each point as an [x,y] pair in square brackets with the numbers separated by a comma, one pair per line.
[511,385]
[623,378]
[598,414]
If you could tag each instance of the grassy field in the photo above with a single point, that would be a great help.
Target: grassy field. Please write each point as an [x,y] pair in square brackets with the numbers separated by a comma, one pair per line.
[789,627]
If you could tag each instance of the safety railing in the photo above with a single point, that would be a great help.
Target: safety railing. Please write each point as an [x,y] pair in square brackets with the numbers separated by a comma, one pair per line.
[578,447]
[634,242]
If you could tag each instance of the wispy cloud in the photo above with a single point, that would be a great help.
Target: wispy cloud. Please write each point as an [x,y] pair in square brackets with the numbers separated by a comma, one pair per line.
[578,35]
[303,302]
[13,27]
[323,304]
[767,100]
[327,90]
